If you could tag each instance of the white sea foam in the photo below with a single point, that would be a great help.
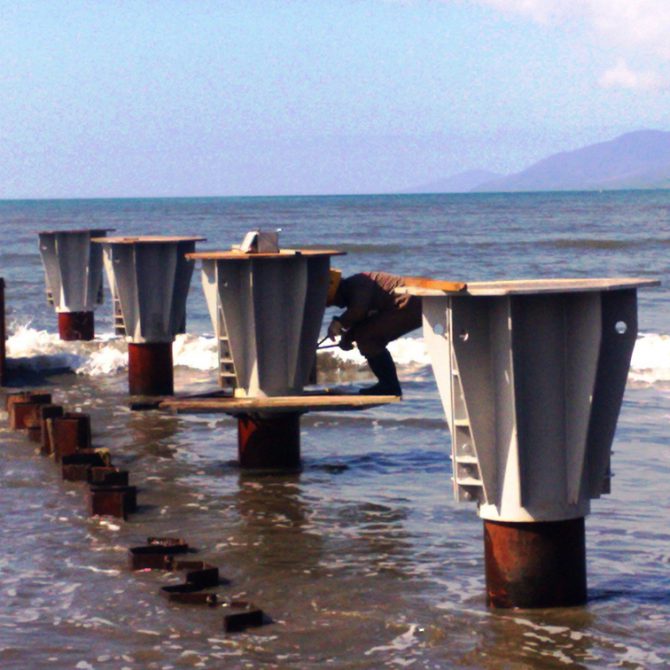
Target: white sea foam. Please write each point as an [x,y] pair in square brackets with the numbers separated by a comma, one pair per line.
[198,352]
[651,359]
[33,349]
[650,362]
[406,351]
[106,360]
[38,349]
[401,642]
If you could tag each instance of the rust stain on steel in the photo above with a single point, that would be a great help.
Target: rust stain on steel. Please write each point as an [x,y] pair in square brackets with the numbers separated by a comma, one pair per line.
[69,433]
[240,615]
[75,472]
[198,573]
[74,326]
[22,415]
[269,442]
[108,475]
[185,596]
[117,501]
[539,564]
[47,412]
[150,369]
[156,554]
[199,576]
[23,405]
[76,467]
[33,424]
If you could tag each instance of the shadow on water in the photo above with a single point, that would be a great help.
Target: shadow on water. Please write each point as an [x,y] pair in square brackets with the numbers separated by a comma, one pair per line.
[657,596]
[20,376]
[380,462]
[330,468]
[274,536]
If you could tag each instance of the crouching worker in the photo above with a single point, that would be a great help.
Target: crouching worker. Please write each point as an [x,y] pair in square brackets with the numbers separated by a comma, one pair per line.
[374,316]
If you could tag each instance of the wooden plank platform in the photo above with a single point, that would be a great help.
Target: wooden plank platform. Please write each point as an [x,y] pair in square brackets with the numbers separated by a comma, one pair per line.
[238,255]
[437,284]
[533,286]
[149,239]
[279,404]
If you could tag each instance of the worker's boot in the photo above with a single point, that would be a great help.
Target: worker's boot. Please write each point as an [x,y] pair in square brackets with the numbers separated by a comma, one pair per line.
[384,368]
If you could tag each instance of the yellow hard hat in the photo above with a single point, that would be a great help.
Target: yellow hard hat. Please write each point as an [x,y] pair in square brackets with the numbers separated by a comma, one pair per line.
[334,278]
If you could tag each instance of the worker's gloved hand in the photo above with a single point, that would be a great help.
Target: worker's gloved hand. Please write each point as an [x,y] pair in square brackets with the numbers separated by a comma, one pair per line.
[335,329]
[346,342]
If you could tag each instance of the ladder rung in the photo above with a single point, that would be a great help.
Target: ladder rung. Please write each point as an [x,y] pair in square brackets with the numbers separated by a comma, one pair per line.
[468,481]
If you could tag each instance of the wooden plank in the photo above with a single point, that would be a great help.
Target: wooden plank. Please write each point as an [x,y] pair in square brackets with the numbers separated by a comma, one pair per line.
[537,286]
[237,255]
[437,284]
[148,239]
[525,286]
[306,403]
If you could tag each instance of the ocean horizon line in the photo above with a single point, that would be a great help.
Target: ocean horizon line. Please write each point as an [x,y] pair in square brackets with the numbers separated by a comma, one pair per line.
[307,196]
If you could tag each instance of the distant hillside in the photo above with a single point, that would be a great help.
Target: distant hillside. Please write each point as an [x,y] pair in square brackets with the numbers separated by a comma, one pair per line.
[639,160]
[458,183]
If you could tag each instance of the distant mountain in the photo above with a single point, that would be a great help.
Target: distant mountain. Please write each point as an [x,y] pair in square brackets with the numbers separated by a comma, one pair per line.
[638,160]
[458,183]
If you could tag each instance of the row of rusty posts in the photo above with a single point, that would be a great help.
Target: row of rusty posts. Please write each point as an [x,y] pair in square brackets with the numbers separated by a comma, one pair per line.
[168,554]
[66,437]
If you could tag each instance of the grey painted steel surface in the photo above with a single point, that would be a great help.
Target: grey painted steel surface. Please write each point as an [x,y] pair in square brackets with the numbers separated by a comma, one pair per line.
[266,310]
[72,269]
[150,276]
[531,377]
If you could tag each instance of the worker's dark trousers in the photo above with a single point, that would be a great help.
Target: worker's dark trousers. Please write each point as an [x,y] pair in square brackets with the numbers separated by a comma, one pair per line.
[373,334]
[383,367]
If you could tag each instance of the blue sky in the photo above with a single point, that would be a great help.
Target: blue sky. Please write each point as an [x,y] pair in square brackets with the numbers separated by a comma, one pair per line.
[253,97]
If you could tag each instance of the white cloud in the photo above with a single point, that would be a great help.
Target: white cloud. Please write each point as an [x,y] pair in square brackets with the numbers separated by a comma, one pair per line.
[624,23]
[542,11]
[622,76]
[635,29]
[639,24]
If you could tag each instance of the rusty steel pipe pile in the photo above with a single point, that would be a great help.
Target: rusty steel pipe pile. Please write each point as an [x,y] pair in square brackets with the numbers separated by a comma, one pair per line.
[531,375]
[150,276]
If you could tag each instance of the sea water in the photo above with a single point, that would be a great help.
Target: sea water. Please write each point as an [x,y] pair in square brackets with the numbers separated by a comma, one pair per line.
[363,560]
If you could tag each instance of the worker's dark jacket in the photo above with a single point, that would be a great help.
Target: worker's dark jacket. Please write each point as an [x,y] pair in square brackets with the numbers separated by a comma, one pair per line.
[374,314]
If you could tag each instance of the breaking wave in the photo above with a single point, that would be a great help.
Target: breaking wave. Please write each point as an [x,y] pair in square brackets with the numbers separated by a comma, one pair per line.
[651,359]
[39,350]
